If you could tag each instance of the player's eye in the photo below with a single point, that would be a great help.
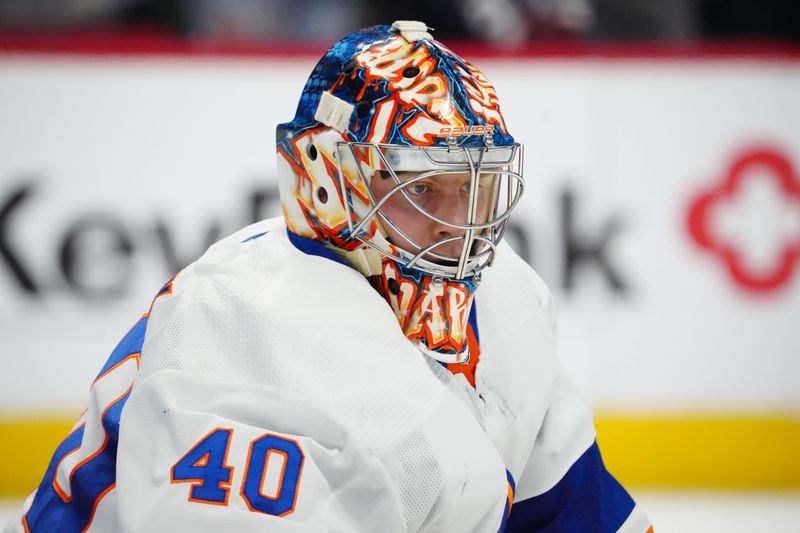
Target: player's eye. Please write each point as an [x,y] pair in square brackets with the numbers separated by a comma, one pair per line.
[419,189]
[483,182]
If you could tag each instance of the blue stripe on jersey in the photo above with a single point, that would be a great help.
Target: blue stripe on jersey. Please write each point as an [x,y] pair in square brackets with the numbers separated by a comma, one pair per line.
[587,498]
[131,343]
[49,512]
[256,236]
[166,289]
[509,500]
[511,482]
[312,247]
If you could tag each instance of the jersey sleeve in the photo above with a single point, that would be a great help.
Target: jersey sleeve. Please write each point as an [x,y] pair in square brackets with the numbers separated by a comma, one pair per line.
[565,486]
[196,455]
[77,490]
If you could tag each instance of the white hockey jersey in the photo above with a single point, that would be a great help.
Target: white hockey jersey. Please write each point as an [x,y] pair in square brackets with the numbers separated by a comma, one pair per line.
[270,388]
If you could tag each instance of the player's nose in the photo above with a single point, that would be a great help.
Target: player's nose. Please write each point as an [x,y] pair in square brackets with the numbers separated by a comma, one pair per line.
[451,210]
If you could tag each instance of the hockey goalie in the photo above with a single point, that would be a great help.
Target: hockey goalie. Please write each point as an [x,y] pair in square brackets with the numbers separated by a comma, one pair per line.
[376,360]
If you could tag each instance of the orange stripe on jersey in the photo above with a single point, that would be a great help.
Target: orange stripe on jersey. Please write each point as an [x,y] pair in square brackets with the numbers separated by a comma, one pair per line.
[468,368]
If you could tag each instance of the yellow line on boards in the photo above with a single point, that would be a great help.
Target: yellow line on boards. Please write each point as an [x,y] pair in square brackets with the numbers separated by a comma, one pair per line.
[653,451]
[28,444]
[702,451]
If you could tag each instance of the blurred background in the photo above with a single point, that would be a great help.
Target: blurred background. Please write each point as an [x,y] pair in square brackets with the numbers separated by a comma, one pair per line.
[662,207]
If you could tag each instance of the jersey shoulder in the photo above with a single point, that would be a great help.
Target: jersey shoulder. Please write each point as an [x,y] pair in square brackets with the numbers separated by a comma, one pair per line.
[255,311]
[514,290]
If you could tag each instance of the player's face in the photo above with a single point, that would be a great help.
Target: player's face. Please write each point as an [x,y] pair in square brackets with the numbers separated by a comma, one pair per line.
[446,196]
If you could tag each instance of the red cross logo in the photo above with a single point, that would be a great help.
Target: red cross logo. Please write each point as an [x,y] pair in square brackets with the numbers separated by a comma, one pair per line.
[750,220]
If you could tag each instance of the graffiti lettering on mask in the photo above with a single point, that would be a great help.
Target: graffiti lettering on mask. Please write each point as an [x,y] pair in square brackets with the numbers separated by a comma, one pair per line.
[482,97]
[426,89]
[434,315]
[317,212]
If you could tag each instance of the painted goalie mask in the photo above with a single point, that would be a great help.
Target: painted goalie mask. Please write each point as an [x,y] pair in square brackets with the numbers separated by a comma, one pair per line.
[399,161]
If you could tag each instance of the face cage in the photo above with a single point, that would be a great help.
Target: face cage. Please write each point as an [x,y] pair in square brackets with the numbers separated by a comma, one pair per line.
[469,264]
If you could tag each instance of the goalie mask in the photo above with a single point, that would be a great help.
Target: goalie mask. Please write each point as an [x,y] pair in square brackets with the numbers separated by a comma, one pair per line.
[399,161]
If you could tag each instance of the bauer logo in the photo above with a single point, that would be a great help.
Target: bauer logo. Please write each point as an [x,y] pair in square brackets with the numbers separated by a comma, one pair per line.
[749,220]
[461,131]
